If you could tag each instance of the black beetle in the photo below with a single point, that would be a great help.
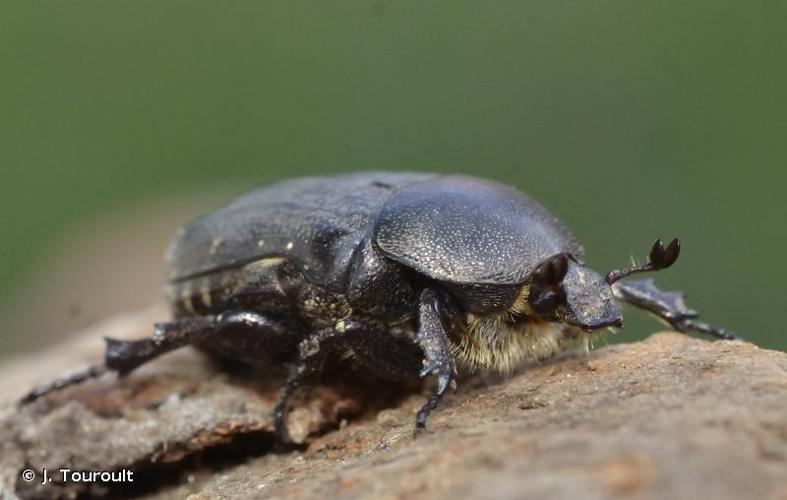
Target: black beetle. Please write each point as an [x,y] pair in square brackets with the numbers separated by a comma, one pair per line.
[408,272]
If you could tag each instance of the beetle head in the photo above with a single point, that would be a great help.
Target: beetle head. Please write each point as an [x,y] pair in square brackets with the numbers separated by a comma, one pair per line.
[563,290]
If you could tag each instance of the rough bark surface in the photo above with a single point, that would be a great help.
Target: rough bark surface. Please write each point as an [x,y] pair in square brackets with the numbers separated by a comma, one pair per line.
[670,417]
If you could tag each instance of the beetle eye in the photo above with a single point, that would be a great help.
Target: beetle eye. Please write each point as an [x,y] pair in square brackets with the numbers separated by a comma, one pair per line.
[546,289]
[545,303]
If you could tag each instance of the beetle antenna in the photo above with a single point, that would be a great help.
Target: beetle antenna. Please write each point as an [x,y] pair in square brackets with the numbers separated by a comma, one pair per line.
[660,258]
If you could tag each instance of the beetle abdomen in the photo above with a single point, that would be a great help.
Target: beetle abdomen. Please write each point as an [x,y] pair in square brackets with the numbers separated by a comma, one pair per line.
[306,220]
[254,286]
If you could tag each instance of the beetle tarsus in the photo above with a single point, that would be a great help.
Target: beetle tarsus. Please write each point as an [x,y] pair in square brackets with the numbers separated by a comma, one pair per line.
[312,351]
[438,360]
[720,333]
[668,306]
[73,378]
[279,421]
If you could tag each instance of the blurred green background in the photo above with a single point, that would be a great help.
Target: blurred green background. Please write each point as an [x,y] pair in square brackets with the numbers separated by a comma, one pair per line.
[630,120]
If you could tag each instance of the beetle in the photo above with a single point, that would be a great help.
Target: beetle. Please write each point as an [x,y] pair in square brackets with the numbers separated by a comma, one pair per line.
[407,273]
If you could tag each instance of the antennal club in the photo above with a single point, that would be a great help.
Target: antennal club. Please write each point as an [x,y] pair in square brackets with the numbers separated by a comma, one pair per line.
[659,258]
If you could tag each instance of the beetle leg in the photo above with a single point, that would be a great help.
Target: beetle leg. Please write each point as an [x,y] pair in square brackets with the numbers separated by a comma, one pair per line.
[667,306]
[388,356]
[122,356]
[72,378]
[312,351]
[432,337]
[253,338]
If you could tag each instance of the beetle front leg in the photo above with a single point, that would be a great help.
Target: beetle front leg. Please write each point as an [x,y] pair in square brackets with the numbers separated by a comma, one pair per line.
[432,338]
[668,306]
[312,352]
